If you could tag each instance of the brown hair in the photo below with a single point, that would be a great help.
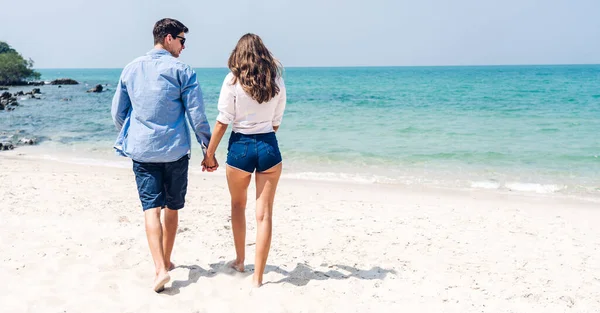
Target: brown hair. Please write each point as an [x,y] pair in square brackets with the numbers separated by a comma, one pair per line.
[165,27]
[255,68]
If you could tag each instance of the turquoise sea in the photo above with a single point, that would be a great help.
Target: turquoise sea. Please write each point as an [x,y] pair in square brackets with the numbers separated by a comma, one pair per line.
[522,128]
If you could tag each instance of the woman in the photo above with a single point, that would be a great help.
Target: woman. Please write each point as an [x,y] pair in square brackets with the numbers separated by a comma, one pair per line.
[253,99]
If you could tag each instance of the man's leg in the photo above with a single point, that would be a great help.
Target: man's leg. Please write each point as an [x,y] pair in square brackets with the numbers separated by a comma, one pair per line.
[176,179]
[149,180]
[154,234]
[170,221]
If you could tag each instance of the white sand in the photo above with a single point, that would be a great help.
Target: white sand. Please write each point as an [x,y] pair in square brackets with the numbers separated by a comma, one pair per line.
[72,240]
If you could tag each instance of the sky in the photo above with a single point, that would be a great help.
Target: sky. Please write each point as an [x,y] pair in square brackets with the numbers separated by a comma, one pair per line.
[111,33]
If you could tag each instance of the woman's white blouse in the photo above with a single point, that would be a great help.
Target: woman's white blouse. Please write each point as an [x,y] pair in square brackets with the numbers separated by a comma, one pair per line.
[246,115]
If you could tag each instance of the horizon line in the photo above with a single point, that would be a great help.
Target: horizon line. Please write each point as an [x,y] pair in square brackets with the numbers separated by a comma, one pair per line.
[346,66]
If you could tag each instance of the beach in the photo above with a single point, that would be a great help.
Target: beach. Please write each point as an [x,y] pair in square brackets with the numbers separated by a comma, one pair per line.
[73,240]
[437,157]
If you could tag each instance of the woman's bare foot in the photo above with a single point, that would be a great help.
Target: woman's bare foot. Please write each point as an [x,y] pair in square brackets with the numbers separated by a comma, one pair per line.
[170,267]
[256,282]
[238,266]
[160,281]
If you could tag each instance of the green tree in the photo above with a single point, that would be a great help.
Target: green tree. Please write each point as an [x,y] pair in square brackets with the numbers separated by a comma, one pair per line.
[14,69]
[5,48]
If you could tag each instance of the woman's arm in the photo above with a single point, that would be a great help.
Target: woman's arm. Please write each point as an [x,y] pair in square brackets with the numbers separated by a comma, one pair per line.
[281,102]
[210,162]
[226,107]
[217,135]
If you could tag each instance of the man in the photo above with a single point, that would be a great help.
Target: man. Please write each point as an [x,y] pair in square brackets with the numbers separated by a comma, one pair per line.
[154,94]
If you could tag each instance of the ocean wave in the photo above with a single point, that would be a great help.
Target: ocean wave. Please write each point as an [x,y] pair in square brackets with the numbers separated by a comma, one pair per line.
[341,177]
[485,184]
[519,186]
[406,179]
[124,163]
[532,187]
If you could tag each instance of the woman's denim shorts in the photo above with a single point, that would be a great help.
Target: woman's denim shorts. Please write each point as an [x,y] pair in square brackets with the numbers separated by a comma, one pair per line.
[258,152]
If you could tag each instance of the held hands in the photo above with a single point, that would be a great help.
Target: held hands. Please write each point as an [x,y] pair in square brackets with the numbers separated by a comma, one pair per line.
[209,164]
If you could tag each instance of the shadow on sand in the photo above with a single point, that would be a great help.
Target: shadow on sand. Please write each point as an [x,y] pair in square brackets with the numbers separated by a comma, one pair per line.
[301,275]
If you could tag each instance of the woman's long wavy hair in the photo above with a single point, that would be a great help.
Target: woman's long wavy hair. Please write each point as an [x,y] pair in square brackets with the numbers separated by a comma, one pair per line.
[255,68]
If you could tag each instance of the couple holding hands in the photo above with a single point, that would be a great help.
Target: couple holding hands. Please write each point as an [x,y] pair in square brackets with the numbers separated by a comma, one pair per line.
[156,93]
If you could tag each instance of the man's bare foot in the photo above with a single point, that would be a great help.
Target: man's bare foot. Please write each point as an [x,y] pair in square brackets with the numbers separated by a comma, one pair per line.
[238,266]
[160,281]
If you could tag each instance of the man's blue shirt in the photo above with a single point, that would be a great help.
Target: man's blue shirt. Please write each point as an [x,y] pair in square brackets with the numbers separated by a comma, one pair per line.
[154,95]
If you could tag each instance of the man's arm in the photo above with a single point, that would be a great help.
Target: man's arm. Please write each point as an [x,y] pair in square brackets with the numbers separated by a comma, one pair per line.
[191,95]
[121,105]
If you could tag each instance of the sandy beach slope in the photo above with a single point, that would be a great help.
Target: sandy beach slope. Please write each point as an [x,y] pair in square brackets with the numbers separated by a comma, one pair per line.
[72,240]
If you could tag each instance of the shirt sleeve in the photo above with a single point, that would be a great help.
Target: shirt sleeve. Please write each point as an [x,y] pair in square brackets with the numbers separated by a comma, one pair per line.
[191,95]
[121,104]
[278,116]
[226,104]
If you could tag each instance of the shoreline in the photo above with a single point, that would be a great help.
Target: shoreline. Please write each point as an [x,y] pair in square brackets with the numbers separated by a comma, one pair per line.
[65,155]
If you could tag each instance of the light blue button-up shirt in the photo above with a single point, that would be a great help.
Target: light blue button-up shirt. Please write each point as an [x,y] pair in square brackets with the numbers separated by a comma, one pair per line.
[153,97]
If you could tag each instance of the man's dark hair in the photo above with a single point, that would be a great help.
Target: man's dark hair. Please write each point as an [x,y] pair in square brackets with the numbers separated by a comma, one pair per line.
[167,26]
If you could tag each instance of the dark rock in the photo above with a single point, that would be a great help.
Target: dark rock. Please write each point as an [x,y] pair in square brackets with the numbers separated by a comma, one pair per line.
[19,93]
[13,83]
[98,88]
[6,146]
[65,99]
[59,86]
[3,88]
[22,83]
[28,141]
[64,81]
[7,101]
[36,91]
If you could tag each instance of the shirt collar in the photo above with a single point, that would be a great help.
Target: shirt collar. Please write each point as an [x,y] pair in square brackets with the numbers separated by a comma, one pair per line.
[158,51]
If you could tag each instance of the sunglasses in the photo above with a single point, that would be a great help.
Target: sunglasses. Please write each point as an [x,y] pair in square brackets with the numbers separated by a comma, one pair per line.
[182,39]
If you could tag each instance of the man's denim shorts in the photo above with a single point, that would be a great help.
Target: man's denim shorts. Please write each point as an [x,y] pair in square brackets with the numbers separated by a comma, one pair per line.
[162,184]
[258,152]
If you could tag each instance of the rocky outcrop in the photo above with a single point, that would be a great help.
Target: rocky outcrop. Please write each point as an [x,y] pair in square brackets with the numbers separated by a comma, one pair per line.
[28,141]
[98,88]
[6,146]
[8,101]
[9,141]
[20,83]
[64,81]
